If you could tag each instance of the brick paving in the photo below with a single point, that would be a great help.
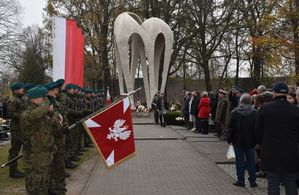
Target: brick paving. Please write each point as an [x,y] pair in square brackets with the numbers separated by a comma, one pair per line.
[164,167]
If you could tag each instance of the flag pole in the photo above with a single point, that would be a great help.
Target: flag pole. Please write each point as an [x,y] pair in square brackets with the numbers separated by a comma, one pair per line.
[130,93]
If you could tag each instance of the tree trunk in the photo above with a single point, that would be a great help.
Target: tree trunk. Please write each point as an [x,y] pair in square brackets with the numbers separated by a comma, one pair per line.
[296,42]
[257,63]
[184,76]
[237,58]
[104,47]
[206,70]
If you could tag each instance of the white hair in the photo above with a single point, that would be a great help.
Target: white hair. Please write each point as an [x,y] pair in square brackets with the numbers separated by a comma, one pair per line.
[245,99]
[262,88]
[204,93]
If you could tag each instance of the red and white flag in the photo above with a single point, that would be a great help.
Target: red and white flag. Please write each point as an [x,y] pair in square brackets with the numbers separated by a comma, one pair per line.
[112,132]
[68,51]
[108,97]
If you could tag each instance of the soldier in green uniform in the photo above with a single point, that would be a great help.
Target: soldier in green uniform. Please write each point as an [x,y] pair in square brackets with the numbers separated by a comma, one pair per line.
[88,110]
[39,147]
[81,130]
[59,127]
[68,112]
[71,117]
[15,107]
[78,130]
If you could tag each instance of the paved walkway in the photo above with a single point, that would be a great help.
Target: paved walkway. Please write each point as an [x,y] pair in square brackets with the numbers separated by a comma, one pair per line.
[167,166]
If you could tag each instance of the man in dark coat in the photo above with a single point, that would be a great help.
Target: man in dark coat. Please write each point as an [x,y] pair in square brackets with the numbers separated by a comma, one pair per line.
[277,129]
[186,113]
[194,110]
[242,136]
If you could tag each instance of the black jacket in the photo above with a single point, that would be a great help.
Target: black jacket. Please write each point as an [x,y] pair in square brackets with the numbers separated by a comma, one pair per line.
[194,110]
[242,127]
[277,127]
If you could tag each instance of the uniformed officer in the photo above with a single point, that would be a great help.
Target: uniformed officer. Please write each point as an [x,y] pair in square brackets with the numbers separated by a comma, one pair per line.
[39,147]
[15,107]
[59,128]
[69,112]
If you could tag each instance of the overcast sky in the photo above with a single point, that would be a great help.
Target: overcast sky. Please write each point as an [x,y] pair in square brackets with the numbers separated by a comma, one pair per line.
[32,11]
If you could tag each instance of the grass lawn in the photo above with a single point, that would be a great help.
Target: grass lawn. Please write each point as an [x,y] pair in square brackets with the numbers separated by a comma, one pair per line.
[17,186]
[9,185]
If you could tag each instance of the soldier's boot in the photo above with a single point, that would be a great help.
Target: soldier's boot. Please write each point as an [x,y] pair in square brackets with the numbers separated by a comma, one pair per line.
[78,153]
[83,150]
[70,165]
[74,158]
[66,174]
[15,173]
[88,145]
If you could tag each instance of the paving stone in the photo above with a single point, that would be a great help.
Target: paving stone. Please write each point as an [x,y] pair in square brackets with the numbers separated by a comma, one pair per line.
[262,182]
[162,167]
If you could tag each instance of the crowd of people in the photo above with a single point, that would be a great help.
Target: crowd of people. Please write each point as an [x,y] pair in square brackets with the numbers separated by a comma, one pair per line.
[262,126]
[40,119]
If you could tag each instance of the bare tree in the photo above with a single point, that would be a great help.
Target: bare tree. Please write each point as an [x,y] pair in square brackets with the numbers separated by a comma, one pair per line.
[208,20]
[9,22]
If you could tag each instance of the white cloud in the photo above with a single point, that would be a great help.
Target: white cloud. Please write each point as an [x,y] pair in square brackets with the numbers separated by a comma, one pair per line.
[33,10]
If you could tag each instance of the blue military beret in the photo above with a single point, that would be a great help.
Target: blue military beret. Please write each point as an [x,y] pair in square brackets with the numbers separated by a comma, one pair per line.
[16,86]
[28,86]
[36,92]
[281,88]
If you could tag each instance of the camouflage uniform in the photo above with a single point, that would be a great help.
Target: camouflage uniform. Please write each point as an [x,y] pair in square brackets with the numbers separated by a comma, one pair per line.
[15,107]
[81,110]
[68,104]
[58,185]
[71,116]
[39,147]
[88,110]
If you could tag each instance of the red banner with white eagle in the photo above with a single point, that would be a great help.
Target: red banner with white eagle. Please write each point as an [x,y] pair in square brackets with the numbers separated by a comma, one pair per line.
[112,132]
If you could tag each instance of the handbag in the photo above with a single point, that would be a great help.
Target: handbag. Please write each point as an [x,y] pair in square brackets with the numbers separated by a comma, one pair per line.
[230,153]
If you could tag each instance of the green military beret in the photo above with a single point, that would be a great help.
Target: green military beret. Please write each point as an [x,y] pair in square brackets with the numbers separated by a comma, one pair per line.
[28,86]
[16,86]
[69,86]
[39,85]
[83,90]
[36,92]
[60,82]
[51,85]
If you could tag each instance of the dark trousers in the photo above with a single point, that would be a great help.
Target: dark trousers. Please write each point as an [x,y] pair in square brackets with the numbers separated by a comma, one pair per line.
[156,116]
[249,153]
[198,124]
[288,179]
[15,148]
[218,129]
[205,125]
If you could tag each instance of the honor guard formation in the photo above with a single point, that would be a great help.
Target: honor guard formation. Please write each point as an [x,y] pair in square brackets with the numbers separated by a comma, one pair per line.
[40,119]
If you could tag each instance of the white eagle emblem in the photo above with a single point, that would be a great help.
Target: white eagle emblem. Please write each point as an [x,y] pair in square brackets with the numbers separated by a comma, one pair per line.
[119,131]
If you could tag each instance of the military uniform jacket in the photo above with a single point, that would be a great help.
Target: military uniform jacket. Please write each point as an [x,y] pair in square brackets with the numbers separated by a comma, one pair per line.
[39,144]
[15,106]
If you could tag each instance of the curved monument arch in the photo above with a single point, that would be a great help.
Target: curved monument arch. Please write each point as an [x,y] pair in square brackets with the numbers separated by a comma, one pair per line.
[147,47]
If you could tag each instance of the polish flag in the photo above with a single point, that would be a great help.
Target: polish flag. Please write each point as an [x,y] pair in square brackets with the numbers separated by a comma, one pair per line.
[108,97]
[112,132]
[68,51]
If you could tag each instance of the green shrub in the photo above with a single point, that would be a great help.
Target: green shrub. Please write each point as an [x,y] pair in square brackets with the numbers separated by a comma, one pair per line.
[170,118]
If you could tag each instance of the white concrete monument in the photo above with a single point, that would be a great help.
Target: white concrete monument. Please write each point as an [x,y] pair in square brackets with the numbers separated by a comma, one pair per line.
[147,41]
